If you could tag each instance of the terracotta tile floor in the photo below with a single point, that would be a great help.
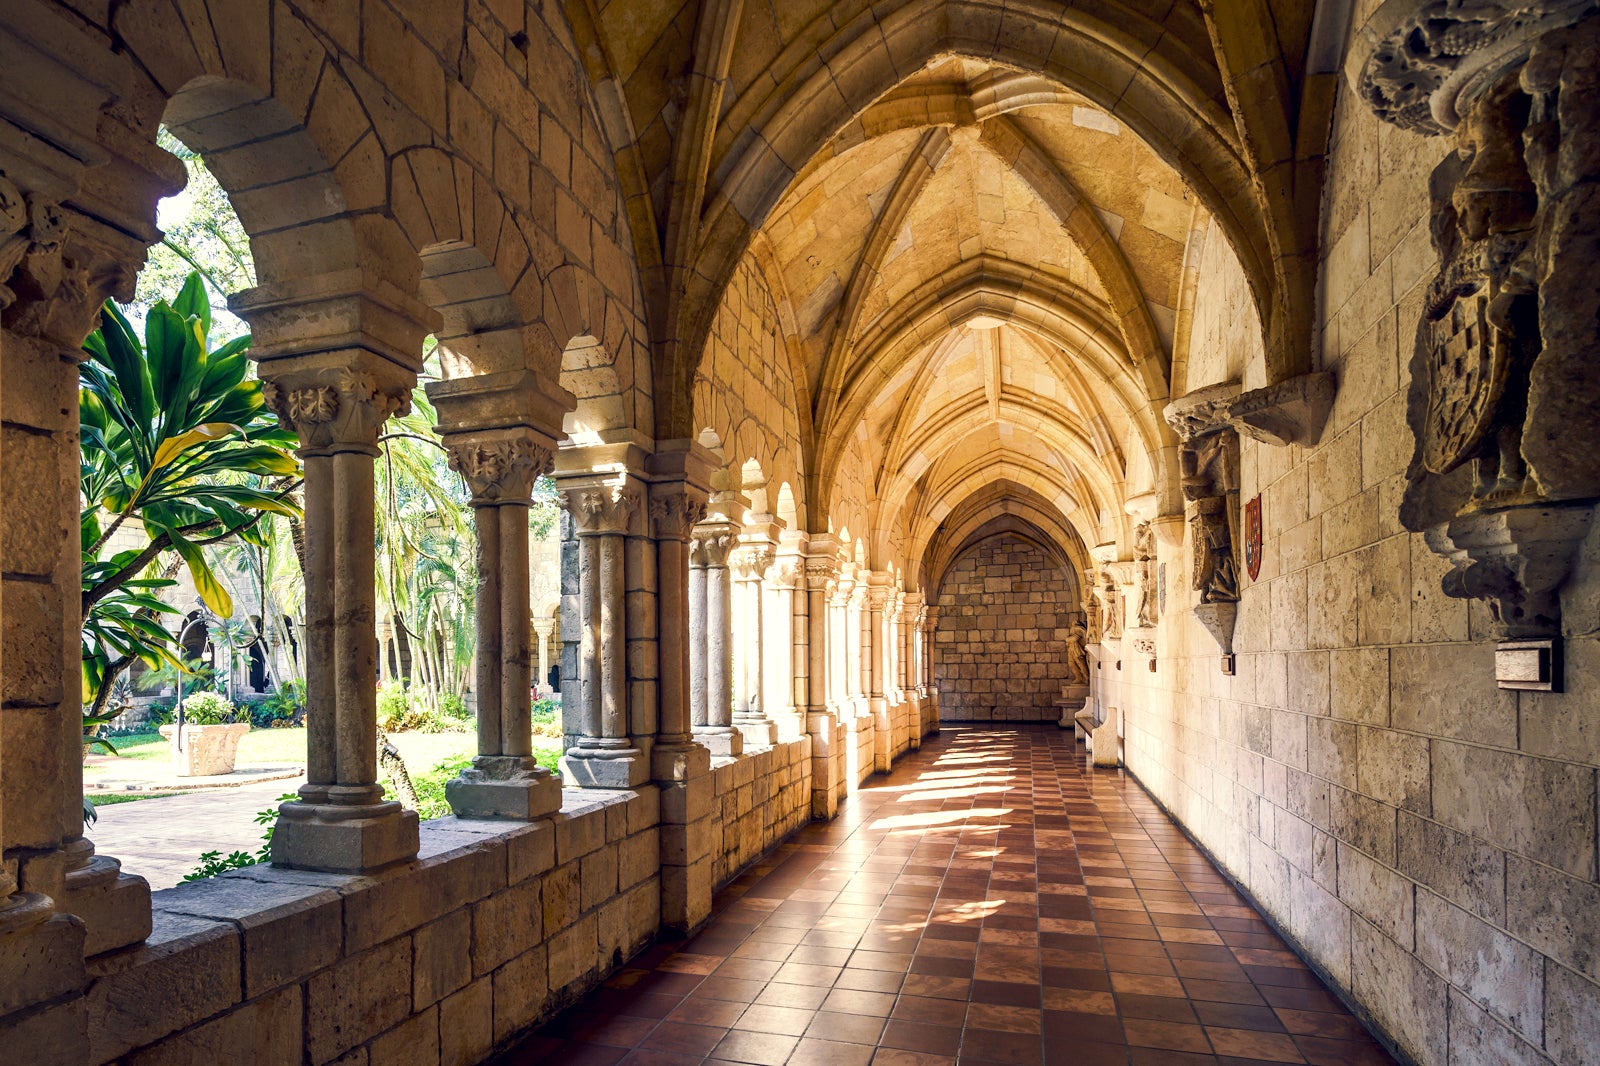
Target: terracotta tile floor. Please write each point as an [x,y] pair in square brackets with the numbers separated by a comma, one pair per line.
[992,901]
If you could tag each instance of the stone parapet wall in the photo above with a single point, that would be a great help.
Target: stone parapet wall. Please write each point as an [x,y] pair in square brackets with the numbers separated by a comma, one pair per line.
[495,926]
[1001,649]
[761,798]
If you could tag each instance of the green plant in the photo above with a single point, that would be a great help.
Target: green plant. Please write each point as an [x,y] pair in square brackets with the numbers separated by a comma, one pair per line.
[286,703]
[546,718]
[213,863]
[451,705]
[175,443]
[207,708]
[431,801]
[395,711]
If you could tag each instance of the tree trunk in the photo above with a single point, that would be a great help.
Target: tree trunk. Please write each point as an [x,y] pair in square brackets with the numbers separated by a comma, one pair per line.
[394,765]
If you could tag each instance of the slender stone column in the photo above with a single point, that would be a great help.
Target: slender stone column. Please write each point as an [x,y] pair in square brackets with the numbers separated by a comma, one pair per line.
[910,616]
[337,402]
[605,755]
[709,547]
[751,561]
[930,632]
[500,467]
[822,718]
[543,630]
[787,659]
[680,767]
[875,642]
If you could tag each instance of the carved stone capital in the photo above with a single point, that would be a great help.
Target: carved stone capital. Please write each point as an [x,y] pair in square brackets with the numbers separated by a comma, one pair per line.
[53,278]
[751,563]
[674,515]
[1421,64]
[821,574]
[336,409]
[787,574]
[500,469]
[600,509]
[710,544]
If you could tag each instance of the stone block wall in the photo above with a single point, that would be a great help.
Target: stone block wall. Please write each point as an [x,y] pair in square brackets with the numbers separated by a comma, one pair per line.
[1428,839]
[760,799]
[495,926]
[1000,653]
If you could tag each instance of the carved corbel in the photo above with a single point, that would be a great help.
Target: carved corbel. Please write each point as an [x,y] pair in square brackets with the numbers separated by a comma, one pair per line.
[1504,399]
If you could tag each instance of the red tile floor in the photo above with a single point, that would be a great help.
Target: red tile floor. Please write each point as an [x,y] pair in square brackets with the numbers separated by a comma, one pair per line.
[993,900]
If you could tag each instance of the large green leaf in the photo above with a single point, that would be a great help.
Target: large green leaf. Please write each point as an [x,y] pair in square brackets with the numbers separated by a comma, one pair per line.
[211,591]
[172,447]
[192,302]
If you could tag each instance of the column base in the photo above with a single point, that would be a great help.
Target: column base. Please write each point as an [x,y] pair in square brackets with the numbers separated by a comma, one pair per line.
[882,734]
[114,906]
[513,787]
[344,840]
[758,730]
[583,767]
[41,954]
[721,740]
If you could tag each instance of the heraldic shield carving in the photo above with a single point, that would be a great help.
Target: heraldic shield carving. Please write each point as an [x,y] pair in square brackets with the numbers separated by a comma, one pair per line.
[1252,537]
[1504,402]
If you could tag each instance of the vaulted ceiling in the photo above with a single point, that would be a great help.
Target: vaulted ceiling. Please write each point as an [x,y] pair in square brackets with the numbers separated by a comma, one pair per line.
[977,214]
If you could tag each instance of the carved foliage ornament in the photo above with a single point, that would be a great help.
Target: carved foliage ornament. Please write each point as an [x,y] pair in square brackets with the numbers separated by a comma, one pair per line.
[1419,65]
[673,516]
[600,510]
[502,470]
[48,289]
[333,408]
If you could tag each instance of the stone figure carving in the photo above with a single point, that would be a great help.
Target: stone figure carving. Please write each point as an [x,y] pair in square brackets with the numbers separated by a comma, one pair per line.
[1077,656]
[1210,475]
[1111,596]
[1144,555]
[1504,381]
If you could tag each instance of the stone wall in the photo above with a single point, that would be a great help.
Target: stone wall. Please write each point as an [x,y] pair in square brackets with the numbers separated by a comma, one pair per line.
[495,926]
[760,799]
[1001,650]
[1428,839]
[744,388]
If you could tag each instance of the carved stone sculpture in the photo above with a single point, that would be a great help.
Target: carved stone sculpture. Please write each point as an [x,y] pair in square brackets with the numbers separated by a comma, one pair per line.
[1505,388]
[1144,556]
[1077,657]
[1208,457]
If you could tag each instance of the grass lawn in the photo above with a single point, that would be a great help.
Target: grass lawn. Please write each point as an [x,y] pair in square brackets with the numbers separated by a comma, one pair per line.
[106,799]
[275,747]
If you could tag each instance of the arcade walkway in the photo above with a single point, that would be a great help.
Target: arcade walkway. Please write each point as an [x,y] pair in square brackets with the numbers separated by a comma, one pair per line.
[991,901]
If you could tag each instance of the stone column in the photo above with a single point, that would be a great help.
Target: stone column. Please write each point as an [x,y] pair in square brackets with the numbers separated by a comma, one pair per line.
[822,716]
[875,648]
[543,630]
[930,631]
[500,467]
[910,676]
[76,216]
[680,767]
[787,657]
[605,755]
[337,402]
[710,629]
[751,561]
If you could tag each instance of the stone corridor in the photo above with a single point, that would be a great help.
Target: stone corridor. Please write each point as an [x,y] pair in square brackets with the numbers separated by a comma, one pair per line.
[990,901]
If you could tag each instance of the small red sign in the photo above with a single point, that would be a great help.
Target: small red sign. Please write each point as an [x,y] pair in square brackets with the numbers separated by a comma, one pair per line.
[1252,537]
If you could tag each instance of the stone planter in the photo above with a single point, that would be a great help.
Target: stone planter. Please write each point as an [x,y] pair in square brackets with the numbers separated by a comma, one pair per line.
[208,750]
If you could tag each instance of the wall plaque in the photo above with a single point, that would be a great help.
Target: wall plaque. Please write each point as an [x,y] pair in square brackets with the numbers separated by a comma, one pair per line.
[1252,537]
